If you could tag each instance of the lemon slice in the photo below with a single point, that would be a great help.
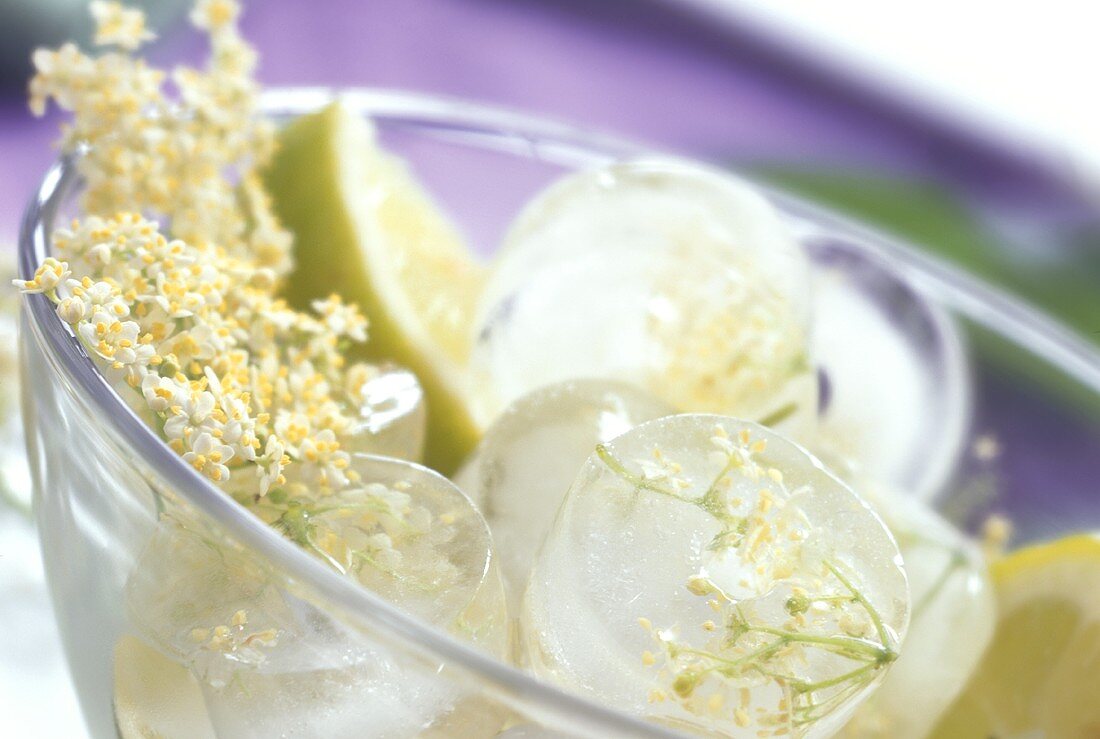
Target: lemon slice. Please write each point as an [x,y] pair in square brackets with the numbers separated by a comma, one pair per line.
[366,230]
[1041,674]
[155,697]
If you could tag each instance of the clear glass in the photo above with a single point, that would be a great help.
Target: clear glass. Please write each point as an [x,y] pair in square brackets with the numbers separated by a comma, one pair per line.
[1021,432]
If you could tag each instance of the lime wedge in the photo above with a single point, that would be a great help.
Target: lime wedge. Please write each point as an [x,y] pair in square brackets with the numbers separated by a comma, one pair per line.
[366,230]
[1041,674]
[155,697]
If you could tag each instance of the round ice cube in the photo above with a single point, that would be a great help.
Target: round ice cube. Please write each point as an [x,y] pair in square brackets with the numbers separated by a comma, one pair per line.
[897,407]
[391,415]
[708,574]
[527,459]
[266,658]
[953,616]
[664,273]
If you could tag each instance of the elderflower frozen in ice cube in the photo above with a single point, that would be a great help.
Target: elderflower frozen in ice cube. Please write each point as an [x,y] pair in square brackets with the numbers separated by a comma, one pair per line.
[268,660]
[391,415]
[664,273]
[529,456]
[952,622]
[710,575]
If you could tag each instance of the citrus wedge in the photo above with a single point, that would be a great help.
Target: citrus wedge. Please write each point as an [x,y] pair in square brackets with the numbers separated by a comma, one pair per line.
[366,230]
[1041,674]
[155,697]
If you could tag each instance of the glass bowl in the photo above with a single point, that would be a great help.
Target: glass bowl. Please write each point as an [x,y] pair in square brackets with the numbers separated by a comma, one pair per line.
[1011,425]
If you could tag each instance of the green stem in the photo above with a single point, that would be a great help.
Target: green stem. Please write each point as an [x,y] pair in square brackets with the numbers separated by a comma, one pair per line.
[838,680]
[880,627]
[779,415]
[637,481]
[848,646]
[336,565]
[807,711]
[711,501]
[729,664]
[958,559]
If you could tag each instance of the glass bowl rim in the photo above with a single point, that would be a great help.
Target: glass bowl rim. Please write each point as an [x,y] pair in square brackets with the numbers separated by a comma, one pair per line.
[535,134]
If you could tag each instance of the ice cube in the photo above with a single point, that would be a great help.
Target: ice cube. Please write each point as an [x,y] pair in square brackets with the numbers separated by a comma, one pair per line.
[897,407]
[710,575]
[663,273]
[376,697]
[527,459]
[410,535]
[391,415]
[270,662]
[952,622]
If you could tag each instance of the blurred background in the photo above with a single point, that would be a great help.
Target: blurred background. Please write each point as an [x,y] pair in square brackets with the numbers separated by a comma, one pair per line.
[971,128]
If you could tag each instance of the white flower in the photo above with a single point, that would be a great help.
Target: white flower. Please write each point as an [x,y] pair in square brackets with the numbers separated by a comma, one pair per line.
[71,310]
[271,465]
[100,296]
[342,319]
[119,26]
[200,343]
[99,256]
[118,342]
[46,278]
[104,333]
[214,14]
[192,412]
[175,299]
[239,428]
[161,393]
[209,456]
[292,429]
[323,462]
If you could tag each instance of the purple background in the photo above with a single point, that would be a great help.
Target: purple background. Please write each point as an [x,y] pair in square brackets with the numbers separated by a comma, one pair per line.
[651,70]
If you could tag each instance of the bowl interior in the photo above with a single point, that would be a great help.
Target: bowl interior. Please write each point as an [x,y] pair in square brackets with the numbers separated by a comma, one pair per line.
[1012,426]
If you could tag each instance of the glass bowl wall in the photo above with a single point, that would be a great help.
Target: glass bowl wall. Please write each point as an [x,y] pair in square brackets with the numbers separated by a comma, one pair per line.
[1023,428]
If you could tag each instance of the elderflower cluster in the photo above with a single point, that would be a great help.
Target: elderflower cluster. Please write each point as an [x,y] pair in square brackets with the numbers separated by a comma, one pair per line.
[181,157]
[251,393]
[170,281]
[240,384]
